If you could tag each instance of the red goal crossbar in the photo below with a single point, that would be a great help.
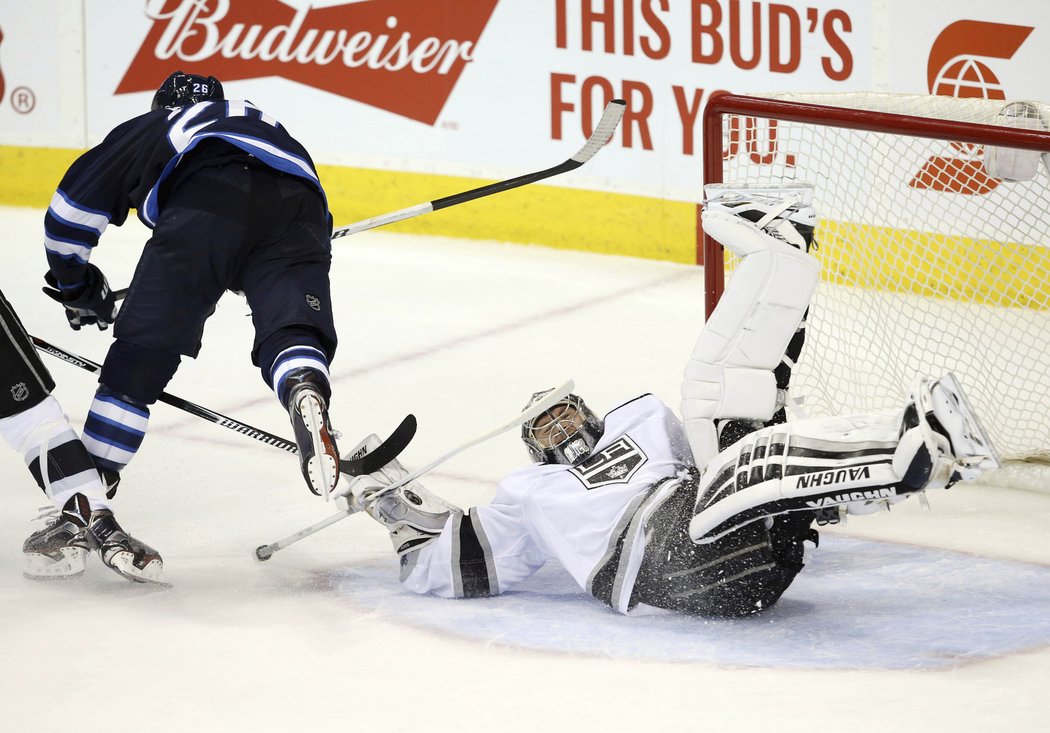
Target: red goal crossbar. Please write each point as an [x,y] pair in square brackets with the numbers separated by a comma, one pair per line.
[709,252]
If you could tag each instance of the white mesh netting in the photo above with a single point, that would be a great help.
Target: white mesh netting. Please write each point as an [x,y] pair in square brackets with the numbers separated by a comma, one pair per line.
[929,264]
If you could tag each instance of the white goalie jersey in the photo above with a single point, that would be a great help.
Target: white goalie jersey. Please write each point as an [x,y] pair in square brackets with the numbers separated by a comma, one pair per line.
[583,516]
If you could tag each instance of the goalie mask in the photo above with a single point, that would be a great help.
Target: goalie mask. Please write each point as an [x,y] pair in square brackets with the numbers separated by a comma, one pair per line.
[566,433]
[180,90]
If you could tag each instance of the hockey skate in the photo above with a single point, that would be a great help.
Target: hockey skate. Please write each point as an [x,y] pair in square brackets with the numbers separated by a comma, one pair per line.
[784,214]
[122,553]
[111,480]
[60,550]
[308,411]
[942,440]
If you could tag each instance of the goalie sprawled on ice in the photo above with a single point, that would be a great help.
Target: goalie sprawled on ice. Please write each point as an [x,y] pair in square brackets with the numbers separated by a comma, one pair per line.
[707,514]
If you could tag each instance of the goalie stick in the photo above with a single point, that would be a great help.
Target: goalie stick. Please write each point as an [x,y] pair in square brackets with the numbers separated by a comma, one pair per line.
[603,132]
[265,552]
[389,450]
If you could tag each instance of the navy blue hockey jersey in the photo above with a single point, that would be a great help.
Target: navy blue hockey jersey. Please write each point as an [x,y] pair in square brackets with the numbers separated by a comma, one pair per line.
[128,169]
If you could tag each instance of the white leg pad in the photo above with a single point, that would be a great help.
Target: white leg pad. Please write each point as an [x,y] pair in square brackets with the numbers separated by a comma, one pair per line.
[750,481]
[730,372]
[740,236]
[720,391]
[727,391]
[761,308]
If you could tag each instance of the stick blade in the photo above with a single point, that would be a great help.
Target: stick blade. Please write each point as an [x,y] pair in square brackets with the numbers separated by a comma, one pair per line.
[387,451]
[603,131]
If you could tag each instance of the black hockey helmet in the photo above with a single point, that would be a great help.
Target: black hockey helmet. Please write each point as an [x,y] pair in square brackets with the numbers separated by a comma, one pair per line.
[180,89]
[566,433]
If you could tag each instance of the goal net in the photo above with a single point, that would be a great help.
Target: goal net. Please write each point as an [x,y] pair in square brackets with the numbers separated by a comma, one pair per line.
[931,261]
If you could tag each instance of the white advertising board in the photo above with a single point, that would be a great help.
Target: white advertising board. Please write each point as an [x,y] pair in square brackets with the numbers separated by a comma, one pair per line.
[969,48]
[41,74]
[495,88]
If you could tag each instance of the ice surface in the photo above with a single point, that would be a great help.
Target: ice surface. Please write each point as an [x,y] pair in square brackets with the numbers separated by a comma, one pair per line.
[858,605]
[902,621]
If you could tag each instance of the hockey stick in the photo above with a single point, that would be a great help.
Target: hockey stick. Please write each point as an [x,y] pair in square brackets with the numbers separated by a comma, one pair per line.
[265,552]
[386,452]
[603,132]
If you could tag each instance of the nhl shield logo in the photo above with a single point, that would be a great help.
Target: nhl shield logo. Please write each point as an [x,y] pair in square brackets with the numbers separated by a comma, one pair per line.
[313,301]
[19,392]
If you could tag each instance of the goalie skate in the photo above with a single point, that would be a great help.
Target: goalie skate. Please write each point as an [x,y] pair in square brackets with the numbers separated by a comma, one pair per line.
[60,550]
[955,446]
[783,214]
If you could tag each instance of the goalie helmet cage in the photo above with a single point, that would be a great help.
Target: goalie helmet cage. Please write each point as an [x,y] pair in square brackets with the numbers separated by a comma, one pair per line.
[929,263]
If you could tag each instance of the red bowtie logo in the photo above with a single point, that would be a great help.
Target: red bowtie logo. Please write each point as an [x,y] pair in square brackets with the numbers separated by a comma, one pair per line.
[399,55]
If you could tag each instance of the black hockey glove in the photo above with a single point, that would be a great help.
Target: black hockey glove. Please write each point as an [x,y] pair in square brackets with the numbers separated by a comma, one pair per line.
[91,303]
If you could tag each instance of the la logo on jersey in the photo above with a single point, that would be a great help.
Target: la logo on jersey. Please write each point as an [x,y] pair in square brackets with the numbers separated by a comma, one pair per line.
[403,56]
[615,464]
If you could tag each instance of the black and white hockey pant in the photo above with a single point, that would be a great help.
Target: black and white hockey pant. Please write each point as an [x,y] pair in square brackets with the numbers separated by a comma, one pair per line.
[742,573]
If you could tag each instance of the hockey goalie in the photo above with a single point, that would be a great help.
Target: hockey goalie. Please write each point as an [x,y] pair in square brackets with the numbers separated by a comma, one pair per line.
[706,514]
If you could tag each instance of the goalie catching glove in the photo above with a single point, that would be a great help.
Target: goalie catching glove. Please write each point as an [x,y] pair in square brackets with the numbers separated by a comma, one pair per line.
[413,516]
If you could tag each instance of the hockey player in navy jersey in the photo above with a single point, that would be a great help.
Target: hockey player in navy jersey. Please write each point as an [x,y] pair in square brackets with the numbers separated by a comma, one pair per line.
[33,423]
[647,511]
[234,203]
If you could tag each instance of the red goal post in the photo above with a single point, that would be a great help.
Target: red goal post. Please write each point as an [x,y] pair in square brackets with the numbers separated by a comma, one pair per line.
[929,262]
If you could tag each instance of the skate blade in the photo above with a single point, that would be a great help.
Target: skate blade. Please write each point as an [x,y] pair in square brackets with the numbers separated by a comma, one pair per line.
[323,467]
[989,458]
[714,192]
[123,564]
[41,567]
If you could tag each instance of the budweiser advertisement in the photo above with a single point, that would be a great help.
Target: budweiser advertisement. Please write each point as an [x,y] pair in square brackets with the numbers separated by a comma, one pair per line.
[402,56]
